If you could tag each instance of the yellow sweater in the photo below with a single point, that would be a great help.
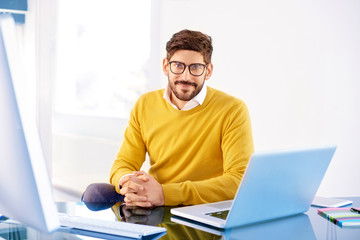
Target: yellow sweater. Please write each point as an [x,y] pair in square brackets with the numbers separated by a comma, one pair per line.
[198,156]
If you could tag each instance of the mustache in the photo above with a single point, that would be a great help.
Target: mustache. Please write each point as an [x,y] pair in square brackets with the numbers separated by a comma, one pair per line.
[185,83]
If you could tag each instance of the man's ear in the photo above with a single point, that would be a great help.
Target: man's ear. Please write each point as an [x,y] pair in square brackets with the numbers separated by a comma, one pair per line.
[209,71]
[165,66]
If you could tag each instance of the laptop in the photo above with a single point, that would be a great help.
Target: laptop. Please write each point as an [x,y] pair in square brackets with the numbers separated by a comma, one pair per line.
[275,185]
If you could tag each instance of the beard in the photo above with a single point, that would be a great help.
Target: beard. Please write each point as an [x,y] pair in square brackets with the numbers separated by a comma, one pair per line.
[185,94]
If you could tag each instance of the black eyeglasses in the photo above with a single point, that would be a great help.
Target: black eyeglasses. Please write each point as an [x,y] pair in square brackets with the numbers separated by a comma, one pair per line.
[195,69]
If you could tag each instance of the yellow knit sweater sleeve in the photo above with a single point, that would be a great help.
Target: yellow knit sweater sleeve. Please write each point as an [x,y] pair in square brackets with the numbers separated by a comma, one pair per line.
[132,152]
[198,155]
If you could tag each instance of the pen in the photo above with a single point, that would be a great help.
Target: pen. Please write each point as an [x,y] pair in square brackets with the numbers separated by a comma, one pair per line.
[355,210]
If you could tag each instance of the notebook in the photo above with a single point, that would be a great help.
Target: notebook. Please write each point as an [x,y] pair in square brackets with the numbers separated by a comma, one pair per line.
[330,202]
[275,184]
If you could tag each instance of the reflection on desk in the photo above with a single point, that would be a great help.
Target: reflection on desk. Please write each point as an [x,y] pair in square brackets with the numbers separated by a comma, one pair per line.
[12,231]
[159,216]
[294,227]
[303,226]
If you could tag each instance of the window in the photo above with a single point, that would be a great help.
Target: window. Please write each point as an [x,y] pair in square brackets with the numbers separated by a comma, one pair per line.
[101,65]
[102,56]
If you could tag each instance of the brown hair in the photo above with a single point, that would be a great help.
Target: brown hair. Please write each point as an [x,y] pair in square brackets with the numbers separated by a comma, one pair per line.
[190,40]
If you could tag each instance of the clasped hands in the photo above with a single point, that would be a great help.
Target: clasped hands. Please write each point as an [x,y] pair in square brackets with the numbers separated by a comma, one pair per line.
[142,190]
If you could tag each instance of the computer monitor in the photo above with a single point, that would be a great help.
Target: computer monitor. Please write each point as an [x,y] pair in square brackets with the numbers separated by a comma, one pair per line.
[25,188]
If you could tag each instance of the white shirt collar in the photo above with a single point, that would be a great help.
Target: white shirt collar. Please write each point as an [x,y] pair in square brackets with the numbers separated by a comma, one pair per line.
[197,100]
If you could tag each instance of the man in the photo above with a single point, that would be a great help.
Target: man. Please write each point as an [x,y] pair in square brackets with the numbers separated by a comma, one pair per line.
[198,139]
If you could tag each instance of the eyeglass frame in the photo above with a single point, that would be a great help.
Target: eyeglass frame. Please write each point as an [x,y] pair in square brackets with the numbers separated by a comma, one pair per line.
[188,66]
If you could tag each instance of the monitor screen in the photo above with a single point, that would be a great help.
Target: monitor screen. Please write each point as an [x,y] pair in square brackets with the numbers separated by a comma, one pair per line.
[25,187]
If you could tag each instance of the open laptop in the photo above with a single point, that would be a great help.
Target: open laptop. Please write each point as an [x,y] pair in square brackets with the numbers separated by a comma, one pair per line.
[274,185]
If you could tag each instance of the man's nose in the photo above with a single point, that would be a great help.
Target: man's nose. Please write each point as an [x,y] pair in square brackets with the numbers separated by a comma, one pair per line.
[186,74]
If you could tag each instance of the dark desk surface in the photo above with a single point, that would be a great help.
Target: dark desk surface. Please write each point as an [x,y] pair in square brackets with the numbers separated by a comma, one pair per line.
[303,226]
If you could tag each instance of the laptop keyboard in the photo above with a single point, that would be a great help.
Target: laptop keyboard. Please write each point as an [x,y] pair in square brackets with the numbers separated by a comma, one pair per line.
[222,205]
[109,227]
[219,214]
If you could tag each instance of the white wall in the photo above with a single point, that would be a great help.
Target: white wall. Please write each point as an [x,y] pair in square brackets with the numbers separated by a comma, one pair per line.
[295,63]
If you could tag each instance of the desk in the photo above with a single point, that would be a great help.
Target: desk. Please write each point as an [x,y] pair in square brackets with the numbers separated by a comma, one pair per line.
[303,226]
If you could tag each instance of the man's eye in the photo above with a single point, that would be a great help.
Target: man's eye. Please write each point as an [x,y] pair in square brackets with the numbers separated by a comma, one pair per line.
[196,66]
[179,65]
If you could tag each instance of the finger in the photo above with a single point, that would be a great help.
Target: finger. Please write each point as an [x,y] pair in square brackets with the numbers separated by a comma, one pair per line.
[138,173]
[142,175]
[127,202]
[125,190]
[131,187]
[132,197]
[140,204]
[145,175]
[144,178]
[125,180]
[134,187]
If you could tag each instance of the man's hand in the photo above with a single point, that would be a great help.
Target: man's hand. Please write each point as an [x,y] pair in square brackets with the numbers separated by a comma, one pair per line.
[132,183]
[142,190]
